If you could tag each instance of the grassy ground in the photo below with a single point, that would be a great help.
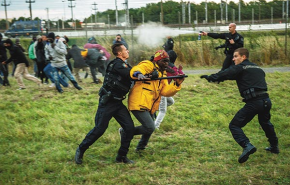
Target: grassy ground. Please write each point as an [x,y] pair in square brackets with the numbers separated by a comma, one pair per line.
[41,129]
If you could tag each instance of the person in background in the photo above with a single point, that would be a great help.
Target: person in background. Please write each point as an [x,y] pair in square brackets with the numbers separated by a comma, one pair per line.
[92,44]
[252,86]
[233,41]
[79,62]
[144,97]
[21,63]
[169,44]
[165,102]
[40,58]
[120,39]
[93,58]
[116,85]
[55,51]
[3,67]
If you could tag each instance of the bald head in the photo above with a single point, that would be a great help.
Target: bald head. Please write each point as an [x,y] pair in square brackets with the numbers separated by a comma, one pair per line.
[232,28]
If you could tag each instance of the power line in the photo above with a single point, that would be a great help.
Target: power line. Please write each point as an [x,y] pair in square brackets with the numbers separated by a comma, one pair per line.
[5,6]
[30,8]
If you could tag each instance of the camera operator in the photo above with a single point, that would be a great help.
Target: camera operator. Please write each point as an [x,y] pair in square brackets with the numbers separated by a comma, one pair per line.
[233,41]
[119,39]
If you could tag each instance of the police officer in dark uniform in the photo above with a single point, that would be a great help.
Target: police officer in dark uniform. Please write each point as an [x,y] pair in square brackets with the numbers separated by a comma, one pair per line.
[251,82]
[116,85]
[3,67]
[233,41]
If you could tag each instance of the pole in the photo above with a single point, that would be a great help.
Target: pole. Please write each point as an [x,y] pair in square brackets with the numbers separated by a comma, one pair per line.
[206,19]
[161,14]
[286,26]
[271,15]
[143,18]
[5,7]
[63,20]
[239,11]
[189,13]
[196,16]
[72,17]
[95,8]
[226,11]
[183,13]
[117,21]
[214,17]
[234,15]
[30,8]
[47,22]
[132,36]
[253,15]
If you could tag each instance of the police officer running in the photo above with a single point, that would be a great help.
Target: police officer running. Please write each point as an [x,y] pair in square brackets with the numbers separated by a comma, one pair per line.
[233,41]
[116,85]
[251,82]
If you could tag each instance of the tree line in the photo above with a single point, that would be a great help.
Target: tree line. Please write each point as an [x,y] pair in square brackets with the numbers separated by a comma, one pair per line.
[172,11]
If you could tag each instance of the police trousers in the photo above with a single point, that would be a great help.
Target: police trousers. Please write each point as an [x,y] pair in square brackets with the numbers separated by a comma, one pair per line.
[116,109]
[260,107]
[228,61]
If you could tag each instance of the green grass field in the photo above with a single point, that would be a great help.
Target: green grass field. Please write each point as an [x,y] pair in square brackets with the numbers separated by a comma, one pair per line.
[41,129]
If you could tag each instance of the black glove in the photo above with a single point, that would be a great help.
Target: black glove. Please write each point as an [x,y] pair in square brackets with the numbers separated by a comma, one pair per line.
[154,74]
[52,45]
[208,78]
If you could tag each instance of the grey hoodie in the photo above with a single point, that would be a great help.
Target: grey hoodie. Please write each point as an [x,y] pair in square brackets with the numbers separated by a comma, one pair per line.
[57,53]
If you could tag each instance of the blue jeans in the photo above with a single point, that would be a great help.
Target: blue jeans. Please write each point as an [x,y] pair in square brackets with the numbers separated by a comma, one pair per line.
[48,72]
[66,71]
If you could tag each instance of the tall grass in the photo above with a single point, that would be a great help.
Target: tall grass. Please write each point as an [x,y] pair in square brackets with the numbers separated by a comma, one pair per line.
[266,48]
[41,129]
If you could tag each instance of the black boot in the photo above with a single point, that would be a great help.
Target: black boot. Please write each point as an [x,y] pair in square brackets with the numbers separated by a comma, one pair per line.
[248,150]
[79,156]
[123,159]
[273,149]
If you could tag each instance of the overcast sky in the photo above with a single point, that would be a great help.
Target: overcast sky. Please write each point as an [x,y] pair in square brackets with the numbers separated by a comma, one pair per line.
[58,9]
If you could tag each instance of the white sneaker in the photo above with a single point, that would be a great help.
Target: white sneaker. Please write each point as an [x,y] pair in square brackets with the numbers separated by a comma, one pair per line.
[52,85]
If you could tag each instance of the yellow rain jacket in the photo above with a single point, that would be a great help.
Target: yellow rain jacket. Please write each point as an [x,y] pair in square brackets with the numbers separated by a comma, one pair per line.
[146,95]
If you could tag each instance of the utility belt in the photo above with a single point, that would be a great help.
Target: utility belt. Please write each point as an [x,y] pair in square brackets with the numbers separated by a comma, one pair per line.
[107,95]
[251,94]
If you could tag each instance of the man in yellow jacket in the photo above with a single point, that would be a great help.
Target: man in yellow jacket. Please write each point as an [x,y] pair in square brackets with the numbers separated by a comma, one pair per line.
[144,97]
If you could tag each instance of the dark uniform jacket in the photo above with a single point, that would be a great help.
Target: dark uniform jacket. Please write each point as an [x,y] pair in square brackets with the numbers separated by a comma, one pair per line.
[229,48]
[247,75]
[117,79]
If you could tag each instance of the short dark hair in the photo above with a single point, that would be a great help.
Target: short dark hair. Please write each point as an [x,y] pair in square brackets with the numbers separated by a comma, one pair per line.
[243,51]
[119,35]
[116,48]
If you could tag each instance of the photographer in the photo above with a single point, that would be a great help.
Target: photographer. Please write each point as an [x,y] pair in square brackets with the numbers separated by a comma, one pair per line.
[119,39]
[233,41]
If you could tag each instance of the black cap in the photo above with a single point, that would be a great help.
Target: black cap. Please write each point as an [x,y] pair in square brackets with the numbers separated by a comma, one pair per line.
[51,35]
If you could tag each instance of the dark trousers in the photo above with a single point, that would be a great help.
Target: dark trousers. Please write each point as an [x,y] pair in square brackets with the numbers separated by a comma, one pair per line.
[146,129]
[228,61]
[259,107]
[4,71]
[40,71]
[116,109]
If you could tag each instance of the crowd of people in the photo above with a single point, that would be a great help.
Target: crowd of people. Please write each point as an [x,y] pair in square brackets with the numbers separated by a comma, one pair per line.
[149,88]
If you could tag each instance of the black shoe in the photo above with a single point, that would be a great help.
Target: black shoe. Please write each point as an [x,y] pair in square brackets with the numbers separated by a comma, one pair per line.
[248,150]
[123,159]
[86,75]
[79,156]
[78,87]
[273,149]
